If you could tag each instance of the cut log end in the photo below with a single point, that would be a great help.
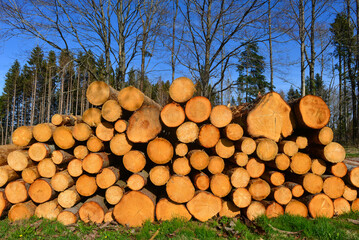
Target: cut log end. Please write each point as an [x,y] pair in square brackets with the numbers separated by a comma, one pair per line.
[198,109]
[167,210]
[221,116]
[296,208]
[172,115]
[181,89]
[255,210]
[204,206]
[321,206]
[130,98]
[188,132]
[97,93]
[208,136]
[22,136]
[160,151]
[181,166]
[180,189]
[111,111]
[159,175]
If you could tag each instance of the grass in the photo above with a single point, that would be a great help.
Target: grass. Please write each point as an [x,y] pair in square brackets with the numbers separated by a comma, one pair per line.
[352,152]
[283,227]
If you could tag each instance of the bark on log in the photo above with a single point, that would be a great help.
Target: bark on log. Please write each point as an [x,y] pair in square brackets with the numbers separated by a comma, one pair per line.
[137,180]
[273,177]
[160,150]
[4,204]
[322,136]
[172,115]
[187,132]
[68,120]
[221,116]
[333,152]
[7,174]
[208,136]
[69,216]
[181,89]
[204,205]
[167,210]
[61,157]
[180,189]
[132,99]
[198,109]
[5,150]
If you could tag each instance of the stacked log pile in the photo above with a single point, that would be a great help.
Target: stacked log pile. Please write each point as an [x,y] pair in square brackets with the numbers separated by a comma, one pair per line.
[127,159]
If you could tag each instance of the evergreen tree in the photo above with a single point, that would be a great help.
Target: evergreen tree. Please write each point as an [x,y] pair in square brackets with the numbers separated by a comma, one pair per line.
[293,94]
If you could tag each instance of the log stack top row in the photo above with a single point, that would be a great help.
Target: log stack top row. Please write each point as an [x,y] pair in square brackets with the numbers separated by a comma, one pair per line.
[128,159]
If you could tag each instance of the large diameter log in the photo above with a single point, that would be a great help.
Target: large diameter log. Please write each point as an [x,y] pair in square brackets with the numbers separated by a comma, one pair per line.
[75,167]
[221,116]
[134,161]
[255,168]
[296,208]
[19,160]
[137,180]
[241,197]
[229,210]
[333,187]
[281,195]
[255,210]
[81,131]
[69,120]
[16,192]
[135,208]
[69,216]
[318,166]
[273,177]
[311,112]
[300,163]
[61,181]
[93,210]
[341,206]
[80,152]
[144,125]
[288,147]
[281,162]
[22,211]
[120,145]
[132,99]
[105,131]
[350,193]
[86,185]
[39,151]
[4,204]
[94,144]
[353,176]
[267,149]
[225,148]
[181,89]
[201,181]
[273,209]
[43,132]
[48,210]
[114,194]
[61,156]
[198,109]
[30,174]
[322,136]
[259,189]
[204,205]
[198,159]
[208,136]
[339,169]
[297,189]
[63,137]
[233,131]
[220,185]
[94,162]
[333,152]
[215,165]
[181,166]
[172,115]
[40,191]
[188,132]
[167,210]
[22,136]
[181,149]
[7,174]
[69,197]
[121,125]
[99,92]
[321,205]
[92,117]
[111,111]
[239,177]
[268,117]
[246,145]
[180,189]
[46,168]
[160,150]
[159,175]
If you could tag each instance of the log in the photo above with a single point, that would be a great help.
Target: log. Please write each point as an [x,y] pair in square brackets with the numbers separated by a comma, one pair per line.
[94,144]
[239,177]
[105,131]
[333,187]
[180,189]
[144,125]
[108,218]
[181,166]
[63,137]
[300,163]
[181,149]
[172,115]
[80,152]
[268,117]
[16,191]
[107,177]
[333,152]
[30,174]
[93,210]
[111,111]
[160,150]
[135,208]
[322,136]
[301,141]
[221,116]
[99,92]
[134,161]
[255,168]
[273,177]
[318,166]
[40,191]
[311,182]
[215,165]
[137,180]
[225,148]
[339,169]
[121,125]
[159,175]
[273,209]
[82,132]
[259,189]
[69,216]
[22,136]
[92,117]
[267,149]
[350,193]
[120,145]
[86,185]
[62,181]
[167,210]
[132,99]
[296,208]
[21,211]
[181,89]
[311,112]
[229,210]
[240,158]
[94,162]
[241,197]
[39,151]
[255,210]
[198,159]
[208,136]
[341,206]
[233,131]
[201,181]
[75,168]
[198,109]
[281,162]
[69,120]
[246,145]
[114,194]
[43,132]
[5,150]
[187,132]
[220,185]
[69,197]
[353,177]
[19,160]
[288,147]
[4,204]
[281,195]
[7,174]
[204,205]
[61,157]
[297,189]
[321,205]
[46,168]
[48,210]
[355,205]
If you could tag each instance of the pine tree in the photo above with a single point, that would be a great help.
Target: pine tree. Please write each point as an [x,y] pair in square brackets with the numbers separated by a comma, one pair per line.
[293,94]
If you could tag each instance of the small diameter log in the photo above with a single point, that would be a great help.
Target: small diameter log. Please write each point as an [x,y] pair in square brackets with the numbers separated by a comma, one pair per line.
[120,145]
[288,147]
[321,205]
[350,193]
[48,210]
[70,120]
[63,137]
[16,192]
[4,204]
[107,177]
[82,132]
[246,145]
[322,136]
[114,194]
[92,117]
[267,149]
[93,210]
[233,131]
[111,111]
[311,112]
[353,177]
[137,180]
[86,185]
[108,218]
[198,159]
[229,210]
[40,190]
[297,189]
[300,163]
[259,189]
[301,141]
[273,177]
[181,89]
[22,136]
[159,175]
[19,160]
[61,156]
[144,125]
[135,208]
[239,177]
[121,125]
[240,158]
[105,131]
[132,99]
[39,151]
[318,166]
[43,132]
[134,161]
[208,136]
[22,211]
[69,216]
[94,162]
[75,168]
[46,168]
[7,174]
[241,197]
[61,181]
[255,167]
[180,189]
[201,181]
[181,166]
[333,187]
[339,169]
[255,210]
[355,205]
[80,152]
[341,206]
[221,116]
[187,132]
[204,205]
[160,150]
[312,183]
[172,115]
[30,174]
[99,92]
[296,208]
[281,162]
[333,152]
[215,165]
[69,197]
[198,109]
[273,209]
[94,144]
[225,148]
[181,149]
[281,195]
[220,185]
[167,210]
